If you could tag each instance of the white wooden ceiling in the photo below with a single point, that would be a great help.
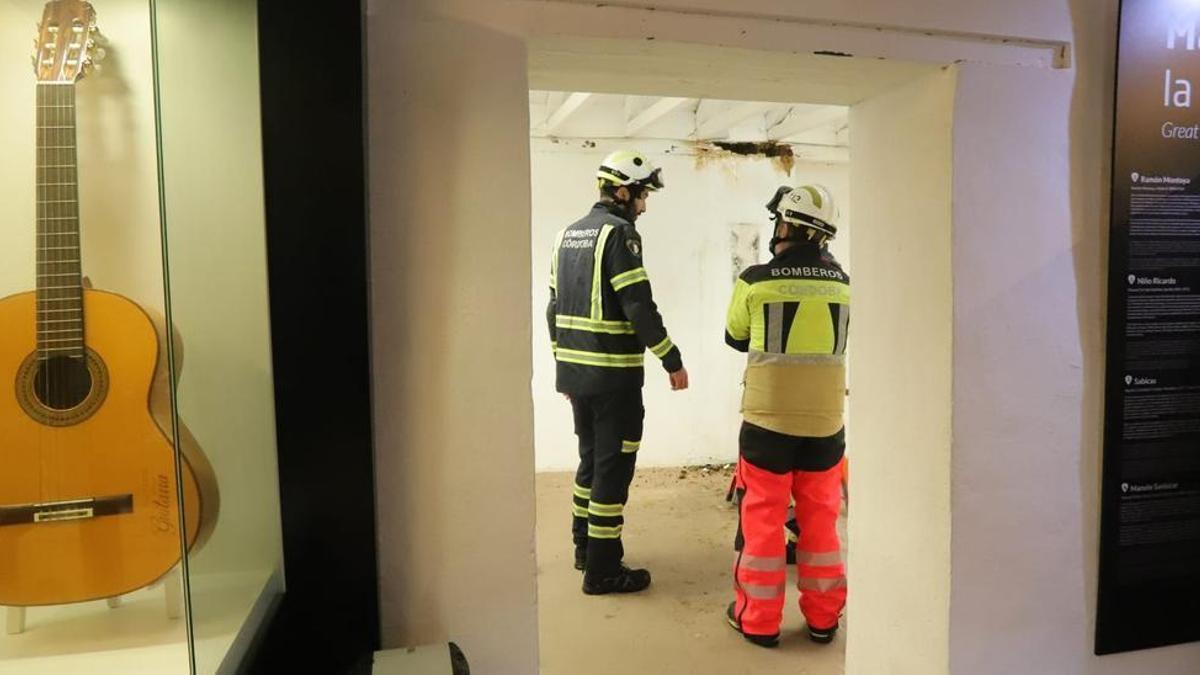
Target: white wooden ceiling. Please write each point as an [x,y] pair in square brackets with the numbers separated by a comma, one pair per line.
[596,116]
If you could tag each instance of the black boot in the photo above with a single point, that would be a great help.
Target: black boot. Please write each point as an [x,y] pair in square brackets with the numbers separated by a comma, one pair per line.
[624,580]
[822,636]
[581,557]
[793,535]
[760,640]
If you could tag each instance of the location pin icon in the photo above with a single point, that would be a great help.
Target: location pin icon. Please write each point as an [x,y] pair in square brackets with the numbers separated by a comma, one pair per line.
[1134,176]
[1132,279]
[1128,379]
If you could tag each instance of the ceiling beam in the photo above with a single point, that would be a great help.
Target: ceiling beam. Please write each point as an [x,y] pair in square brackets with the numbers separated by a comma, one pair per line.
[652,114]
[805,152]
[565,110]
[798,123]
[718,125]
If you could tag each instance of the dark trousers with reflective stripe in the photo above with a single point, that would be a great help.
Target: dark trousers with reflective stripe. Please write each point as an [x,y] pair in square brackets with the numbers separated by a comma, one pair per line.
[609,427]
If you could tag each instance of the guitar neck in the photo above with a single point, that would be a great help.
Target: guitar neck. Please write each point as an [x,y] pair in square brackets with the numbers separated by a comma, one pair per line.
[59,276]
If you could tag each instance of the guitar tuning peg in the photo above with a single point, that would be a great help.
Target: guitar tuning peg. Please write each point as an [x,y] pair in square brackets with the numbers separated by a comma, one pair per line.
[100,53]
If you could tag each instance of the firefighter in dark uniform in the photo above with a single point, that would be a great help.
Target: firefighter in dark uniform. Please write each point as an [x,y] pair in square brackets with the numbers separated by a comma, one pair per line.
[602,319]
[792,317]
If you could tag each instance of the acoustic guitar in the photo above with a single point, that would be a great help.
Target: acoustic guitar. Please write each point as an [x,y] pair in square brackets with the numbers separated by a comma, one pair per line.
[89,481]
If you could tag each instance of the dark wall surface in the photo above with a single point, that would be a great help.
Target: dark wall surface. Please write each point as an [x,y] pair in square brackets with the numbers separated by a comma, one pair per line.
[311,57]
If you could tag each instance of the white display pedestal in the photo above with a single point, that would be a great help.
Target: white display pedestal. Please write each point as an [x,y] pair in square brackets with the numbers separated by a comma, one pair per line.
[172,585]
[425,660]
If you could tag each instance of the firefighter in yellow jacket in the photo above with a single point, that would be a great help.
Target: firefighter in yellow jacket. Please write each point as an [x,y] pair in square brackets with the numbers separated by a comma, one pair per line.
[792,316]
[602,319]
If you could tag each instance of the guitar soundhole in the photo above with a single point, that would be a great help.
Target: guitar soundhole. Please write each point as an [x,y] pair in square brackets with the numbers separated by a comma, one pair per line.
[62,391]
[62,382]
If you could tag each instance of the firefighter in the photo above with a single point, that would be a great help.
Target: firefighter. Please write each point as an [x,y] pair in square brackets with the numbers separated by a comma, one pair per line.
[602,319]
[792,316]
[791,529]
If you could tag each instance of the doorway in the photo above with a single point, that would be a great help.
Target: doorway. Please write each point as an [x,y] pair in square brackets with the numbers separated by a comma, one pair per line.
[722,161]
[721,123]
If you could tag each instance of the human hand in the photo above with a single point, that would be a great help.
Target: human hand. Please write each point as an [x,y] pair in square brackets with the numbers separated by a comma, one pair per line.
[679,380]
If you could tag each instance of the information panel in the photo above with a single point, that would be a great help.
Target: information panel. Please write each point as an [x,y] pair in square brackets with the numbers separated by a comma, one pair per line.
[1149,590]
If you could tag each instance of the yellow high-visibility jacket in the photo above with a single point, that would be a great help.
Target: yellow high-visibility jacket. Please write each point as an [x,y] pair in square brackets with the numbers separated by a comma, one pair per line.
[792,316]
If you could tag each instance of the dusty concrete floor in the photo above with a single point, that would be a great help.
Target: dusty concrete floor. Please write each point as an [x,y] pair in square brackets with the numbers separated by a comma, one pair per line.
[682,530]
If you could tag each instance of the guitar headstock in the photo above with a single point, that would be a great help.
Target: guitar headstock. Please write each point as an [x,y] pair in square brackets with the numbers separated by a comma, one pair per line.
[65,49]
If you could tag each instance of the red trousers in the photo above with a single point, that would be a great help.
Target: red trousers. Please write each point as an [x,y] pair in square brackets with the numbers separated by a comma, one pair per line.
[760,570]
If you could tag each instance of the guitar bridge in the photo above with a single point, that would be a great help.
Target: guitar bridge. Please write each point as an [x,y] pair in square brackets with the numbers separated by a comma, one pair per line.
[64,511]
[61,511]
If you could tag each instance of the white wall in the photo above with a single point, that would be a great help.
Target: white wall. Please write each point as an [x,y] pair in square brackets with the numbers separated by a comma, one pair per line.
[1031,213]
[900,394]
[687,233]
[450,257]
[1034,18]
[118,186]
[216,240]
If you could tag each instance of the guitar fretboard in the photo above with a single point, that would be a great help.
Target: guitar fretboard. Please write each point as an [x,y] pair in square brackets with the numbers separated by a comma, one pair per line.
[59,278]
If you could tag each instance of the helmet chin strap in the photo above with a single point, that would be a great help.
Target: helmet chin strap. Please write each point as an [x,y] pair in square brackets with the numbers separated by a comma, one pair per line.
[796,236]
[776,241]
[628,210]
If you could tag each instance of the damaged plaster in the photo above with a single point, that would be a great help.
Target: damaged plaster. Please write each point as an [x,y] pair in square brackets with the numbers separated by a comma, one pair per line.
[781,154]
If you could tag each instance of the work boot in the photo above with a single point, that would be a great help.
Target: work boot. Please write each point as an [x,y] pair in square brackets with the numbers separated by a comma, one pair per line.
[580,557]
[760,640]
[624,581]
[792,530]
[822,636]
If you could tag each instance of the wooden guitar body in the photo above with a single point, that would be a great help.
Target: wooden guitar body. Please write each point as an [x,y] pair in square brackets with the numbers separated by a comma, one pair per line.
[89,505]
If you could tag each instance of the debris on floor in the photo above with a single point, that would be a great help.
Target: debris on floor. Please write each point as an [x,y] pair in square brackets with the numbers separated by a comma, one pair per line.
[706,470]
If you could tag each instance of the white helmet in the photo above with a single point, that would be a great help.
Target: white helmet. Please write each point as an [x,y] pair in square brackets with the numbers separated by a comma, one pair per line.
[629,168]
[810,206]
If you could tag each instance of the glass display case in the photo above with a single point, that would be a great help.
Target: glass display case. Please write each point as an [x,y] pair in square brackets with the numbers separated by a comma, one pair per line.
[139,500]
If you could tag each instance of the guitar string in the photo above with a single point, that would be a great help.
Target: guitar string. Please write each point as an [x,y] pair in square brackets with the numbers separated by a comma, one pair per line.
[43,438]
[56,191]
[59,249]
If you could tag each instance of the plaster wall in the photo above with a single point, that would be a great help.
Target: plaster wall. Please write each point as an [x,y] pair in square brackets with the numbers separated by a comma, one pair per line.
[1030,250]
[450,258]
[899,435]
